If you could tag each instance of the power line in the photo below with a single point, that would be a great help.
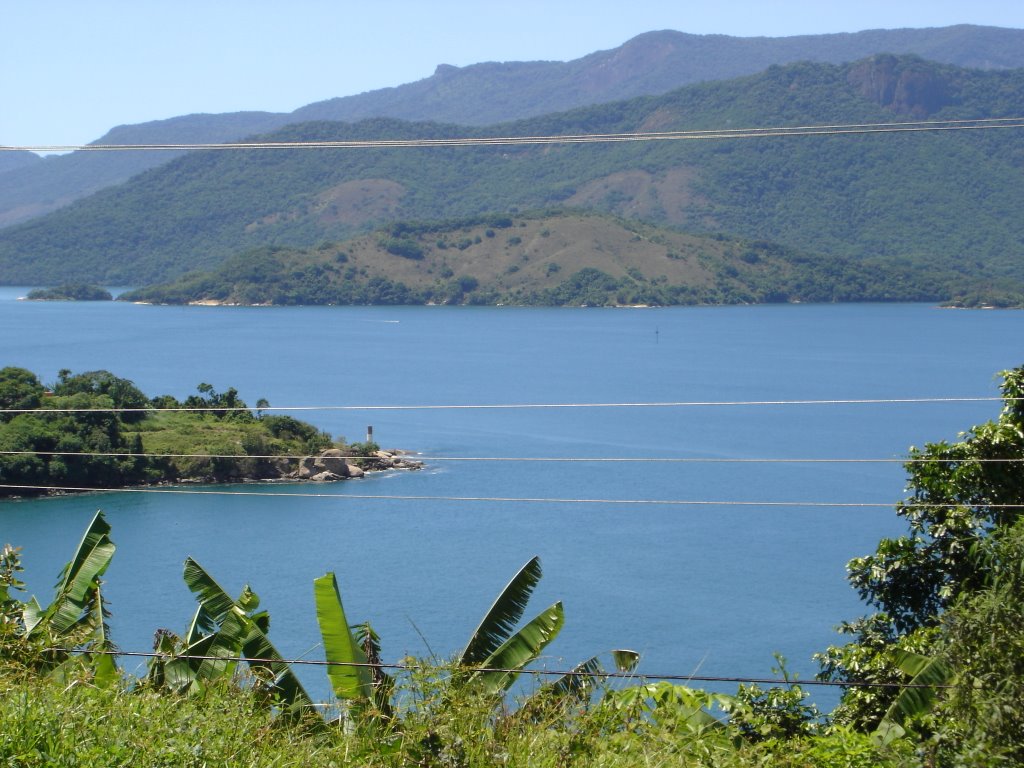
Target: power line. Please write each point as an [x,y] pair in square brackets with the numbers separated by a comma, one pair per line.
[421,458]
[474,670]
[468,141]
[505,499]
[522,406]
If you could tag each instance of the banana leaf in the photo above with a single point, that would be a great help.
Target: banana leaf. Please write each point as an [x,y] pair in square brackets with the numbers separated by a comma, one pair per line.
[520,649]
[214,602]
[501,619]
[382,684]
[105,672]
[32,614]
[340,647]
[236,628]
[913,702]
[80,580]
[175,674]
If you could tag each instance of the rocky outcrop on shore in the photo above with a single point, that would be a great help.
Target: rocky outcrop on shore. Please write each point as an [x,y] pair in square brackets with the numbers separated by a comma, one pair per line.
[334,464]
[330,465]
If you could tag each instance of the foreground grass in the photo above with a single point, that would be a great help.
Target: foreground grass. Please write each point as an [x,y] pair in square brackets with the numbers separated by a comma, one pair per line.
[43,722]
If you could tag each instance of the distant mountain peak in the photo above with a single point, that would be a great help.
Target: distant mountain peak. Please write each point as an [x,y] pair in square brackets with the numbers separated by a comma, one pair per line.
[445,70]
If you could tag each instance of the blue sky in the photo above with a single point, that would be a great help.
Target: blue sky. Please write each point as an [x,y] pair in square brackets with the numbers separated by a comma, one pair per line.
[71,70]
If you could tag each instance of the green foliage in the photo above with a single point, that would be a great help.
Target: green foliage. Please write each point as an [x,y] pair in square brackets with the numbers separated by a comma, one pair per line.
[96,430]
[777,713]
[498,623]
[50,640]
[962,492]
[494,644]
[402,246]
[981,719]
[206,710]
[122,392]
[948,594]
[872,658]
[349,679]
[364,449]
[70,292]
[19,389]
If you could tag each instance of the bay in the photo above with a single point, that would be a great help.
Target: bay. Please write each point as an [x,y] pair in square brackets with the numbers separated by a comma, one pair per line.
[697,589]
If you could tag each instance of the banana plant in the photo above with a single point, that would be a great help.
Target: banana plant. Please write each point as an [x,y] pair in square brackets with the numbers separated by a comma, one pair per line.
[222,630]
[75,620]
[494,645]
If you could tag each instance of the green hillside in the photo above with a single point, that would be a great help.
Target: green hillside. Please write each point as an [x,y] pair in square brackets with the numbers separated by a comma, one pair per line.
[939,201]
[552,259]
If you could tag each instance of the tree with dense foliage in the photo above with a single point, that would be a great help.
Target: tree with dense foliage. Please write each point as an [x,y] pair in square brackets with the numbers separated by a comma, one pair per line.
[19,389]
[946,588]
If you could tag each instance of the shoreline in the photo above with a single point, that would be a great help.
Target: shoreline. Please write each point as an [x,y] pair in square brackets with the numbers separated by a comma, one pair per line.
[330,466]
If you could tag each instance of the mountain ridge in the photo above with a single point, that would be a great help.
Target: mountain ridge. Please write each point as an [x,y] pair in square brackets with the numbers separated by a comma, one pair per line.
[491,92]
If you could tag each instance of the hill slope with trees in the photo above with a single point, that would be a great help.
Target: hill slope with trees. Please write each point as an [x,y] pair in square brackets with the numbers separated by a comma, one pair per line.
[941,200]
[548,259]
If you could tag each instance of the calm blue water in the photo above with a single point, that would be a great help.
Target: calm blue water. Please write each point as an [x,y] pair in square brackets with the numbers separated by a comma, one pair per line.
[703,590]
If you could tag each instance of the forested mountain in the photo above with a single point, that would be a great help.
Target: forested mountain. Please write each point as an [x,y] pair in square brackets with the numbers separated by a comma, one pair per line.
[11,161]
[947,201]
[650,64]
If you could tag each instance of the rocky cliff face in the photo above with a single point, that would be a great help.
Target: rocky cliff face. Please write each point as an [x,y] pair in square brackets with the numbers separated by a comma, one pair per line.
[911,87]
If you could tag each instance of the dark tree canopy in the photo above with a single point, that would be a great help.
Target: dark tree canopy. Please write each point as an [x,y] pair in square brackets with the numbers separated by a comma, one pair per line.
[961,493]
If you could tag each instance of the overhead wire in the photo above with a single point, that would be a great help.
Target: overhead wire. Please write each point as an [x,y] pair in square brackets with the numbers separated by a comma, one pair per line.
[520,406]
[496,499]
[423,458]
[472,141]
[509,670]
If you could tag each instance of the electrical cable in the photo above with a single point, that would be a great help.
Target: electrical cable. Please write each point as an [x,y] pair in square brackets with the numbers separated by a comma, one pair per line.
[503,499]
[523,406]
[423,459]
[466,141]
[471,670]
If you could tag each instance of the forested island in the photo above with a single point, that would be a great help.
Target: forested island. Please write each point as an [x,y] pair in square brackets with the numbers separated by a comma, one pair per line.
[97,430]
[70,292]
